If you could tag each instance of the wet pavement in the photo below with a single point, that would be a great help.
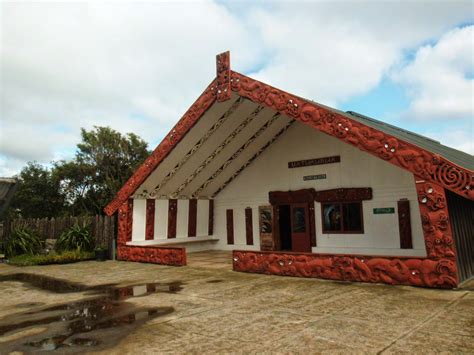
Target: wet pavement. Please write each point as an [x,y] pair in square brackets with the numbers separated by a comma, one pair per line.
[77,326]
[121,307]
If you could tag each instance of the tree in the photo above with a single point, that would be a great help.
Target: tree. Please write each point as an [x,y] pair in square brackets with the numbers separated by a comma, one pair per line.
[104,160]
[38,194]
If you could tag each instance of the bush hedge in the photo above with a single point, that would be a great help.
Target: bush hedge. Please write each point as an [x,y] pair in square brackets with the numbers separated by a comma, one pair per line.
[53,258]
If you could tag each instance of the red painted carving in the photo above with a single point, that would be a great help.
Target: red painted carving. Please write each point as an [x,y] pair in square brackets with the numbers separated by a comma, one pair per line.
[223,76]
[423,164]
[288,197]
[177,133]
[394,271]
[404,224]
[435,221]
[150,219]
[151,254]
[437,270]
[344,195]
[123,215]
[129,220]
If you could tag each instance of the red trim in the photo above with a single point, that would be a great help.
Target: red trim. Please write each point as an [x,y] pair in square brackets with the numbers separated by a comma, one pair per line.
[438,269]
[192,217]
[151,254]
[289,197]
[210,227]
[422,163]
[404,224]
[150,219]
[223,76]
[248,226]
[353,194]
[177,133]
[230,226]
[390,270]
[128,235]
[172,217]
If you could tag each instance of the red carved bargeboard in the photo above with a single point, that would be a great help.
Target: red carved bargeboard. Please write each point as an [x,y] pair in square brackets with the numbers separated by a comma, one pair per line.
[147,254]
[422,163]
[151,254]
[177,133]
[438,269]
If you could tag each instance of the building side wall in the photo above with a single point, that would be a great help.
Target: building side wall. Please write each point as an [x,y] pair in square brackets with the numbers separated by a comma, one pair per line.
[270,172]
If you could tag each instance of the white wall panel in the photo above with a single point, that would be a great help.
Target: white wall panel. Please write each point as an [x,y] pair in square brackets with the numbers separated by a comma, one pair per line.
[202,223]
[161,219]
[182,219]
[357,169]
[139,219]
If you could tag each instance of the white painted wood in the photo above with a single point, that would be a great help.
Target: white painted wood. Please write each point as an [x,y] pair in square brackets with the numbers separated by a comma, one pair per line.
[182,219]
[357,169]
[138,222]
[202,220]
[161,219]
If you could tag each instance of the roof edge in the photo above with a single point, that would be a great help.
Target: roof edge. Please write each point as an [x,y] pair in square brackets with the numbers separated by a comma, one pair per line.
[422,163]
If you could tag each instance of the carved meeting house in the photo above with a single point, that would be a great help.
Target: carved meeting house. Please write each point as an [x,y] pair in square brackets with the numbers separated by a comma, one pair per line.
[296,188]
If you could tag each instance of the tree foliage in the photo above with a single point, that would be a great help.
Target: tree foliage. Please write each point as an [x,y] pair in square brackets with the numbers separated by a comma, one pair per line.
[38,194]
[104,160]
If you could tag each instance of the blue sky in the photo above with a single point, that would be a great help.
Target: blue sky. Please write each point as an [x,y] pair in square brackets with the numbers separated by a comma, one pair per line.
[137,67]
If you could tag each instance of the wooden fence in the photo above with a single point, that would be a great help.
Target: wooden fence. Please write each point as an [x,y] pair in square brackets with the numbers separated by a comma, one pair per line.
[103,228]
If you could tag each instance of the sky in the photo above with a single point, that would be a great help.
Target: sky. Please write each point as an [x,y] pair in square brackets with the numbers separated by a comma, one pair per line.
[138,66]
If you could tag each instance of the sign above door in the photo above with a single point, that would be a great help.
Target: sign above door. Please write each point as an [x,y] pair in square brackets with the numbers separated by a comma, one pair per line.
[316,161]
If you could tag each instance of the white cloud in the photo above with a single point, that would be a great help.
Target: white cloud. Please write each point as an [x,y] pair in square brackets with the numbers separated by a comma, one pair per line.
[331,51]
[439,79]
[138,66]
[458,139]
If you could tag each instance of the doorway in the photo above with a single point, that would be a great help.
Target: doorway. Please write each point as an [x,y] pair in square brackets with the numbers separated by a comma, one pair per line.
[294,224]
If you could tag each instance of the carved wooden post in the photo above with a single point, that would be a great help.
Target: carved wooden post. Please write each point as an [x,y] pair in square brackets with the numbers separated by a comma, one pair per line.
[223,76]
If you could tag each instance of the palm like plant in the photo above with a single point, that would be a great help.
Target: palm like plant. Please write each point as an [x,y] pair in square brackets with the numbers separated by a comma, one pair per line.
[77,238]
[23,240]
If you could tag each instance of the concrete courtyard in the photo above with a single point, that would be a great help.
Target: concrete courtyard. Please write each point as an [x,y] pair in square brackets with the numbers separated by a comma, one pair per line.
[212,309]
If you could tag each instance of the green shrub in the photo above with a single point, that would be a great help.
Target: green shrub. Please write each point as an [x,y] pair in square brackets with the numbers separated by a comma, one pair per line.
[53,258]
[76,238]
[23,240]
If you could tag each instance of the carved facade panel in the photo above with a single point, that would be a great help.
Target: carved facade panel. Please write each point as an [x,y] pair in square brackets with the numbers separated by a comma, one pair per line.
[154,255]
[394,271]
[177,133]
[223,76]
[344,194]
[423,164]
[438,269]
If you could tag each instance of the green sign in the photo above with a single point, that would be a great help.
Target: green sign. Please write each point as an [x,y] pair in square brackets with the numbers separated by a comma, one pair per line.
[314,177]
[384,210]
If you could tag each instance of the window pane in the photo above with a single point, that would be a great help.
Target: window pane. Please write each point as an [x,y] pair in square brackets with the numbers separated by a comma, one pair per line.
[299,220]
[332,217]
[352,217]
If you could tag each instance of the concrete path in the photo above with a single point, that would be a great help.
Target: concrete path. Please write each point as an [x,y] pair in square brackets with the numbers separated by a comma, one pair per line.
[220,311]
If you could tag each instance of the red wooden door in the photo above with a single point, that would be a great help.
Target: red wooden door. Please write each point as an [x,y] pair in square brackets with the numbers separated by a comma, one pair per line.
[300,231]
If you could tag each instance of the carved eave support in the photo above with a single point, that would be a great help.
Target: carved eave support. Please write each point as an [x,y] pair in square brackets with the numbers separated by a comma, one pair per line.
[223,76]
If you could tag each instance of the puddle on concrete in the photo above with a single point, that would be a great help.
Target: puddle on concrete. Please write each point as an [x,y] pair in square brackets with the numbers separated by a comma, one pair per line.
[93,323]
